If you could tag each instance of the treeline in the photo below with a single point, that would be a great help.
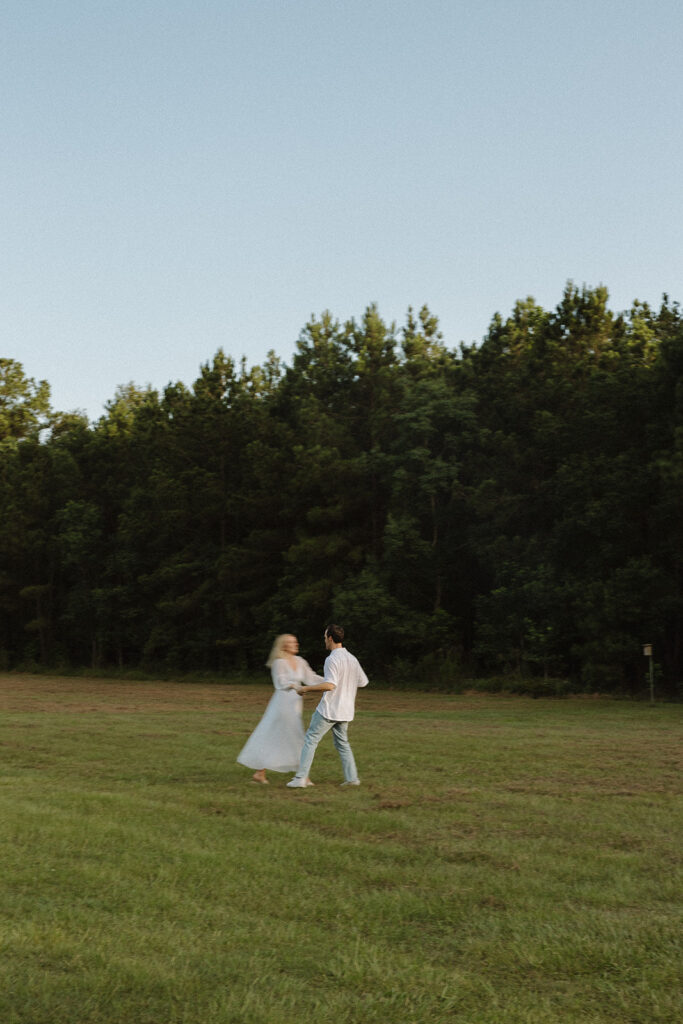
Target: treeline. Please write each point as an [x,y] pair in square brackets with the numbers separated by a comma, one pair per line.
[514,507]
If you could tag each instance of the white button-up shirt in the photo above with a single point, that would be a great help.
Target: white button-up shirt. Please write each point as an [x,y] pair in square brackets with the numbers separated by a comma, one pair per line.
[342,669]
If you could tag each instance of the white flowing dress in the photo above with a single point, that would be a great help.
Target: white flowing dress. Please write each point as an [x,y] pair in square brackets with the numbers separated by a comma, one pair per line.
[277,740]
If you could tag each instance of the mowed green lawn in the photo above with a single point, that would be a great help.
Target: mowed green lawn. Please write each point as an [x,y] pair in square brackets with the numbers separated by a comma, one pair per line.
[506,860]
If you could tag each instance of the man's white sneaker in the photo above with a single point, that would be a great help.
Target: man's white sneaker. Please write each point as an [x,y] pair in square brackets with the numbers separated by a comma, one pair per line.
[351,782]
[297,783]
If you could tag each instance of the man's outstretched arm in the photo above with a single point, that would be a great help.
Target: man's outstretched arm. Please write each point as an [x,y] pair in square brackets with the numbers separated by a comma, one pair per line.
[315,687]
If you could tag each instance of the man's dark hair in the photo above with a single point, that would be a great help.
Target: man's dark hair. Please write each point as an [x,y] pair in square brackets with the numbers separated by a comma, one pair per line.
[335,633]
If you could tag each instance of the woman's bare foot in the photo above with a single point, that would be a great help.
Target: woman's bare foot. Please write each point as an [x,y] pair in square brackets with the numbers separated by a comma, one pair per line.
[260,776]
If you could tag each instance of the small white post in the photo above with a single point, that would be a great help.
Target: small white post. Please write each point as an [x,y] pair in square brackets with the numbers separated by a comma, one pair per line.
[647,651]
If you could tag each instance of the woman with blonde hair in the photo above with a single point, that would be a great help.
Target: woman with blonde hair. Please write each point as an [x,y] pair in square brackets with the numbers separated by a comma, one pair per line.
[277,740]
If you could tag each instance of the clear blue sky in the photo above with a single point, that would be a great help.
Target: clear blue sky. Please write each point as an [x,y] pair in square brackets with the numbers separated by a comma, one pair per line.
[183,175]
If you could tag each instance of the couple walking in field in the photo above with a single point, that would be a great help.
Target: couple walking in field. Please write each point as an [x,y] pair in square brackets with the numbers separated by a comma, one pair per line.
[278,743]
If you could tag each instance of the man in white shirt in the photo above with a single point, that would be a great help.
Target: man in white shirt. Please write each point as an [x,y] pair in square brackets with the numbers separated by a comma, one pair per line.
[343,675]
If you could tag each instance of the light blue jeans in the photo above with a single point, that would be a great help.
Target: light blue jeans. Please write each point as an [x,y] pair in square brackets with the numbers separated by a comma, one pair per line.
[316,730]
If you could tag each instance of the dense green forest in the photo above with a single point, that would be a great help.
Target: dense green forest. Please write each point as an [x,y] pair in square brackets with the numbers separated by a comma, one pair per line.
[511,507]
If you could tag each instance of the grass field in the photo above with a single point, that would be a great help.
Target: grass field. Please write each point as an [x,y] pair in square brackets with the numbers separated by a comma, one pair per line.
[506,860]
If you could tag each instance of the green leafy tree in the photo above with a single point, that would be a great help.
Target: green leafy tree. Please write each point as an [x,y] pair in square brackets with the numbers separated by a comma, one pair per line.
[24,404]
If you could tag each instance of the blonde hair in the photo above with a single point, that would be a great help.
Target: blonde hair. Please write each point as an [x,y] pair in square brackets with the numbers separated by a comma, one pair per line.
[277,650]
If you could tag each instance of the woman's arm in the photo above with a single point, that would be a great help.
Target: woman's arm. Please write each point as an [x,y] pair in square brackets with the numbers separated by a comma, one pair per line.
[309,677]
[281,673]
[318,685]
